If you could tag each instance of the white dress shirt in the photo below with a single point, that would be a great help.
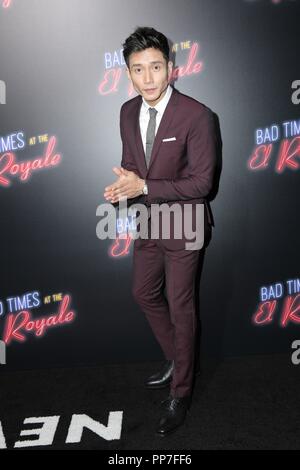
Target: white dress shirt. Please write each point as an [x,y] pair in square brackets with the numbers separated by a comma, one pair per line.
[145,116]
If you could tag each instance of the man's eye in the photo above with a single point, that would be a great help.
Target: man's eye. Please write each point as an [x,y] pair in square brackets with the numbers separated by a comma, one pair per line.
[138,70]
[157,67]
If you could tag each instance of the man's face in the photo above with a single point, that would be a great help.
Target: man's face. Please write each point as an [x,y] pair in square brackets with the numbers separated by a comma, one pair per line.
[149,74]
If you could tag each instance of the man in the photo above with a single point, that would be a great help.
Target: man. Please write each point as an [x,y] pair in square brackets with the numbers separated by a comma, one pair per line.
[168,157]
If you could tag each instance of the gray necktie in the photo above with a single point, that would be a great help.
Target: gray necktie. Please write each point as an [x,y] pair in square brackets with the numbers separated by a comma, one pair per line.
[150,134]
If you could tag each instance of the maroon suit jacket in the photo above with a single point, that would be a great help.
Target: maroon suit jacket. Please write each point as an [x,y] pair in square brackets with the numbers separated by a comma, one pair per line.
[180,170]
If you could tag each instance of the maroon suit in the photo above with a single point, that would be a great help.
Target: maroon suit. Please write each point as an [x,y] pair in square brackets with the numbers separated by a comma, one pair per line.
[180,171]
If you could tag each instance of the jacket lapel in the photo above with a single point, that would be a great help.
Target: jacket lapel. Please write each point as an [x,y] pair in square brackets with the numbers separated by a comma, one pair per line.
[165,122]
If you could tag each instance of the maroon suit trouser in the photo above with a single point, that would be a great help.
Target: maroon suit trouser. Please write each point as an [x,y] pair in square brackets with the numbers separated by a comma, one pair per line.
[172,317]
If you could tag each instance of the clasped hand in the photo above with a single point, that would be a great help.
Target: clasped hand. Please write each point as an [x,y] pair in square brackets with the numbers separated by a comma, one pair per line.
[127,186]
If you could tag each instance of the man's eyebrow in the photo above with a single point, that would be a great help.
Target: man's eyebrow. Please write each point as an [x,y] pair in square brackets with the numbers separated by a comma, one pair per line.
[152,62]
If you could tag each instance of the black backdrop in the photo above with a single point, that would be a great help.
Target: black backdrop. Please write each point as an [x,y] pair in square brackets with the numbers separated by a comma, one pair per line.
[55,58]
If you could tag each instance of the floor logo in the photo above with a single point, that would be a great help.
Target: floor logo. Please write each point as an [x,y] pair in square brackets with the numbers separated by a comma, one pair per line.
[44,435]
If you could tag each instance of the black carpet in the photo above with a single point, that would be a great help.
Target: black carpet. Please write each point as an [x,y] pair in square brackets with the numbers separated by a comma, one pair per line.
[241,403]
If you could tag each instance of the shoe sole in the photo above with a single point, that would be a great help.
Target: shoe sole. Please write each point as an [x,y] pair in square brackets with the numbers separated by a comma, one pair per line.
[169,432]
[166,434]
[157,387]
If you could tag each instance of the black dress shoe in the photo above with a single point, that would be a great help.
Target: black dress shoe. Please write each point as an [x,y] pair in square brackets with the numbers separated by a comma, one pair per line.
[163,378]
[173,415]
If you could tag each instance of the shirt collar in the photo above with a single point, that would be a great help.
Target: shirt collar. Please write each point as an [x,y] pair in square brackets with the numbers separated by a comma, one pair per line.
[161,105]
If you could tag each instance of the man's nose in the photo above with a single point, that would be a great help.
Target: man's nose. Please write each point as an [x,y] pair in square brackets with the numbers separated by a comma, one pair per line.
[148,76]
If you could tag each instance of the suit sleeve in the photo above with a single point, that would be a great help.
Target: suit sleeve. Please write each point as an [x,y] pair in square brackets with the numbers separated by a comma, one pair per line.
[127,161]
[201,154]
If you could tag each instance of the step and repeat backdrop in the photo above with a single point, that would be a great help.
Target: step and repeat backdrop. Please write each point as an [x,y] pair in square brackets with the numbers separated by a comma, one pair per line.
[65,294]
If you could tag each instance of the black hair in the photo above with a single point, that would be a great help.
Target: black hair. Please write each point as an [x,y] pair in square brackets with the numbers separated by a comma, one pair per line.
[143,38]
